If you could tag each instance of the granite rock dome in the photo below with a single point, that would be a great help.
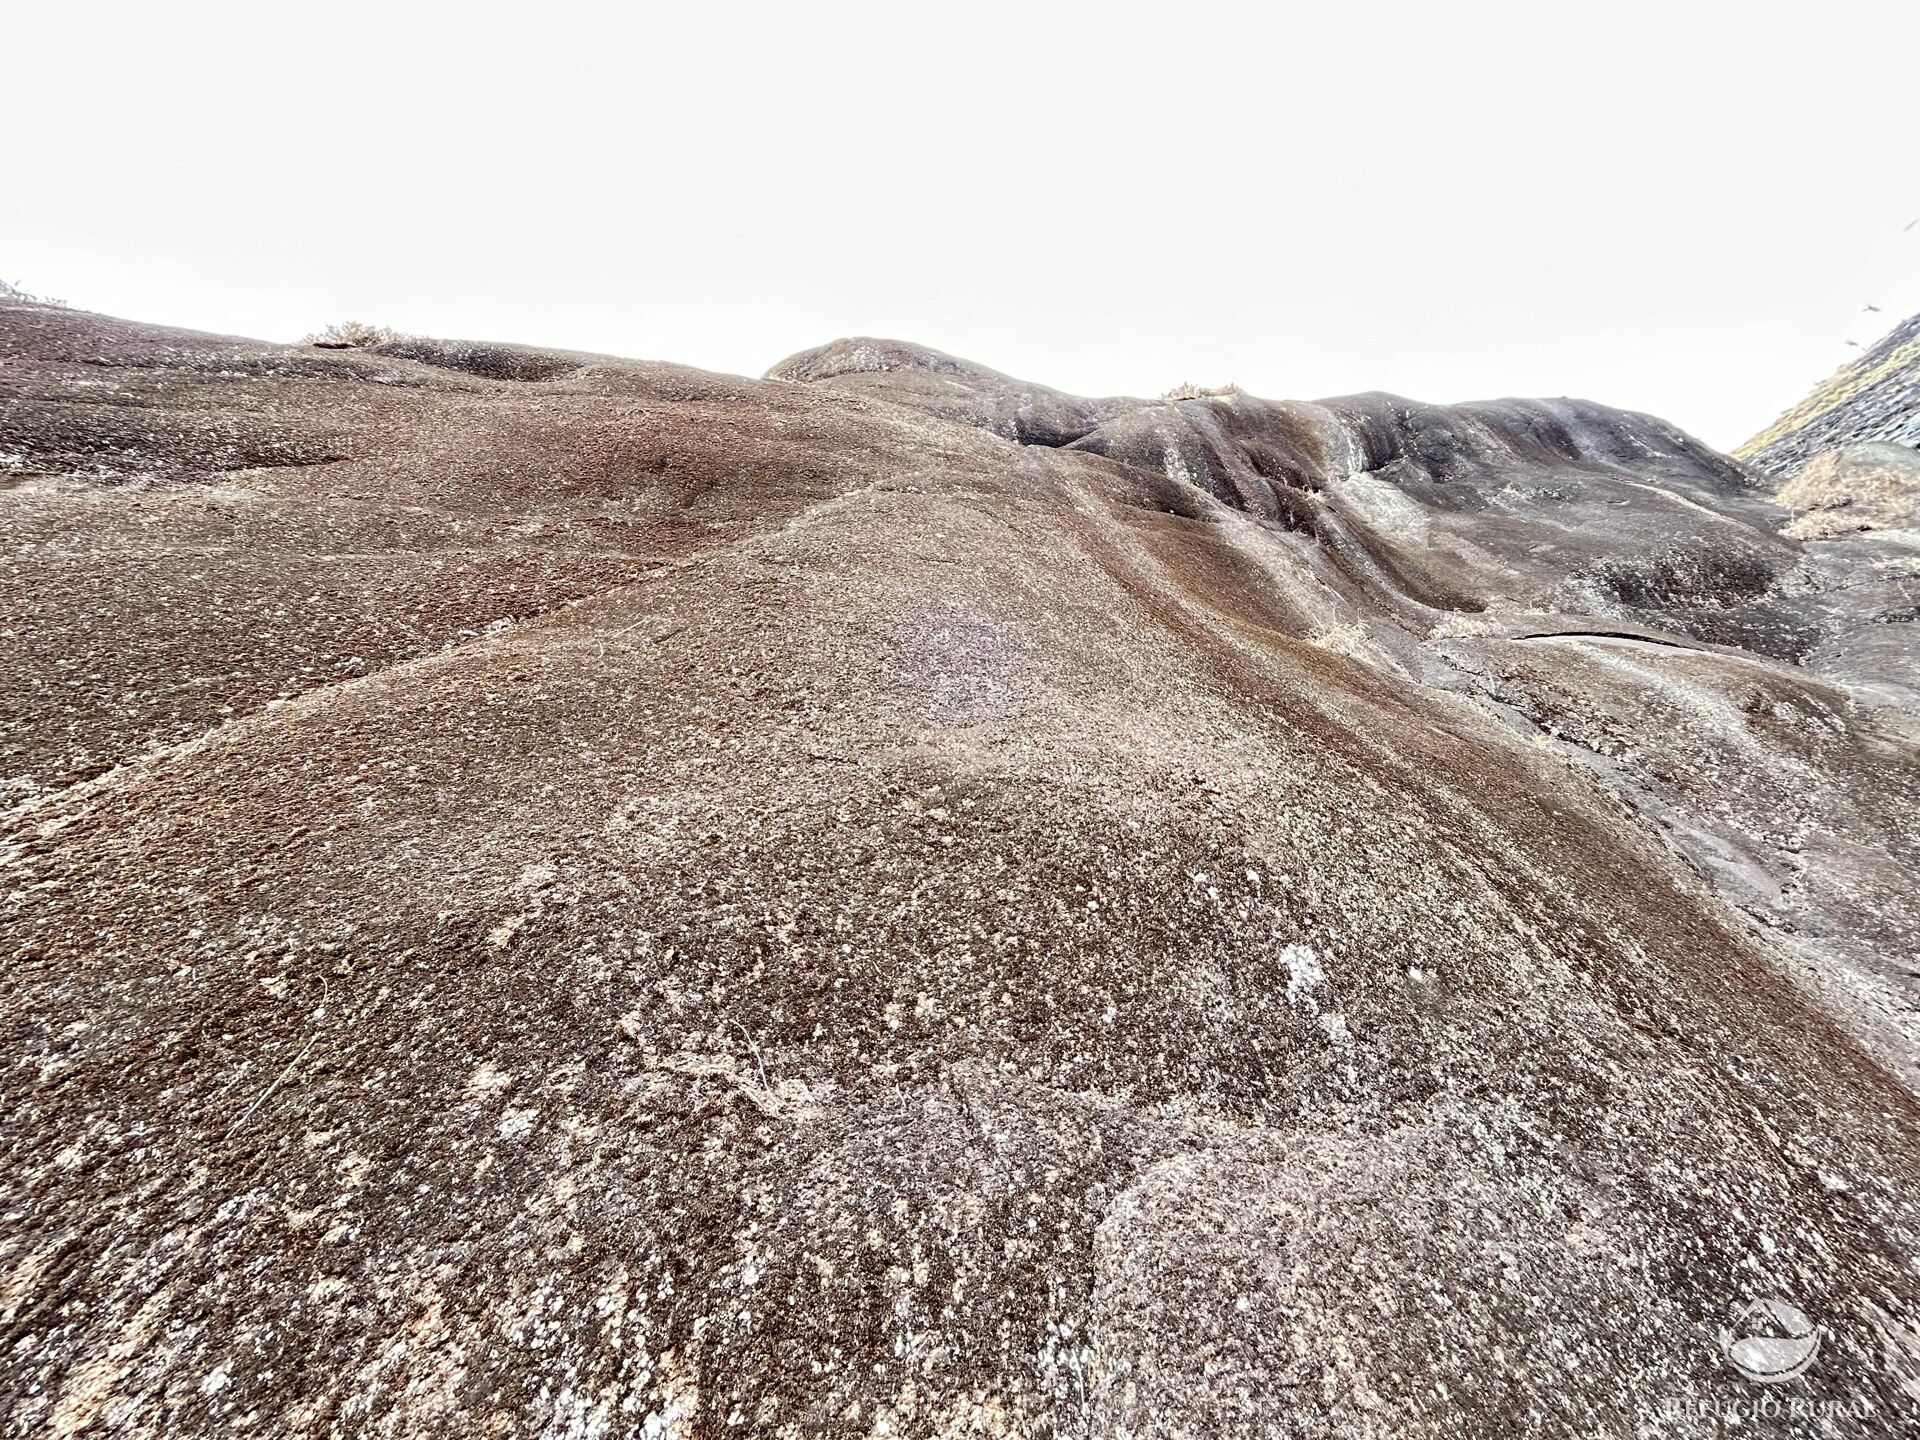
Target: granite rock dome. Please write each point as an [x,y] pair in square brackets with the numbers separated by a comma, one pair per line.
[549,894]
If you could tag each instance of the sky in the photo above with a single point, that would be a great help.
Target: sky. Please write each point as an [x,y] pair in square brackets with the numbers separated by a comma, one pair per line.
[1679,207]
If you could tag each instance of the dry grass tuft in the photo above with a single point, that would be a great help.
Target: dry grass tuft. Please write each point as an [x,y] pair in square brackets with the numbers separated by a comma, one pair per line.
[11,291]
[1184,391]
[354,335]
[1461,625]
[1870,486]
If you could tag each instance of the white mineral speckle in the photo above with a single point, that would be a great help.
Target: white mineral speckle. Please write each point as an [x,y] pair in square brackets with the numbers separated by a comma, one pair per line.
[1304,975]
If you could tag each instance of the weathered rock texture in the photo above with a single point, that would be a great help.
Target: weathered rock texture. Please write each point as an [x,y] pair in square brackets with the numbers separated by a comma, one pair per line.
[551,895]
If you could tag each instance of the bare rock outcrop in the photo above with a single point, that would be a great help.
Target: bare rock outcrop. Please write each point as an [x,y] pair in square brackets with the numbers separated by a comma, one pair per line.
[548,894]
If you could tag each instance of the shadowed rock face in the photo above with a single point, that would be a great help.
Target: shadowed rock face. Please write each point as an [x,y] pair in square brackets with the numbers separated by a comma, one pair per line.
[557,895]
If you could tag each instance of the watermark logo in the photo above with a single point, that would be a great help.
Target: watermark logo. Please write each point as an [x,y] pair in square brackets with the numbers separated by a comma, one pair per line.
[1771,1341]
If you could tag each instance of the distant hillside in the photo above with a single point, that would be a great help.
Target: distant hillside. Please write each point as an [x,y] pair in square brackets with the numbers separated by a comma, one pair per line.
[1877,397]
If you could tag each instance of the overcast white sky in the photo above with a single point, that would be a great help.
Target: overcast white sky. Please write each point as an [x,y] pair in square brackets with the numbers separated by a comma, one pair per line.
[1680,207]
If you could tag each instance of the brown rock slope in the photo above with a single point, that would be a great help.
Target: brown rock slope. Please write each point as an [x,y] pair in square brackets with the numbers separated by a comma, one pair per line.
[560,896]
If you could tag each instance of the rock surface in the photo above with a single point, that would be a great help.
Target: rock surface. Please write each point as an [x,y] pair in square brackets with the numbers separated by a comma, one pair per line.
[553,895]
[1875,398]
